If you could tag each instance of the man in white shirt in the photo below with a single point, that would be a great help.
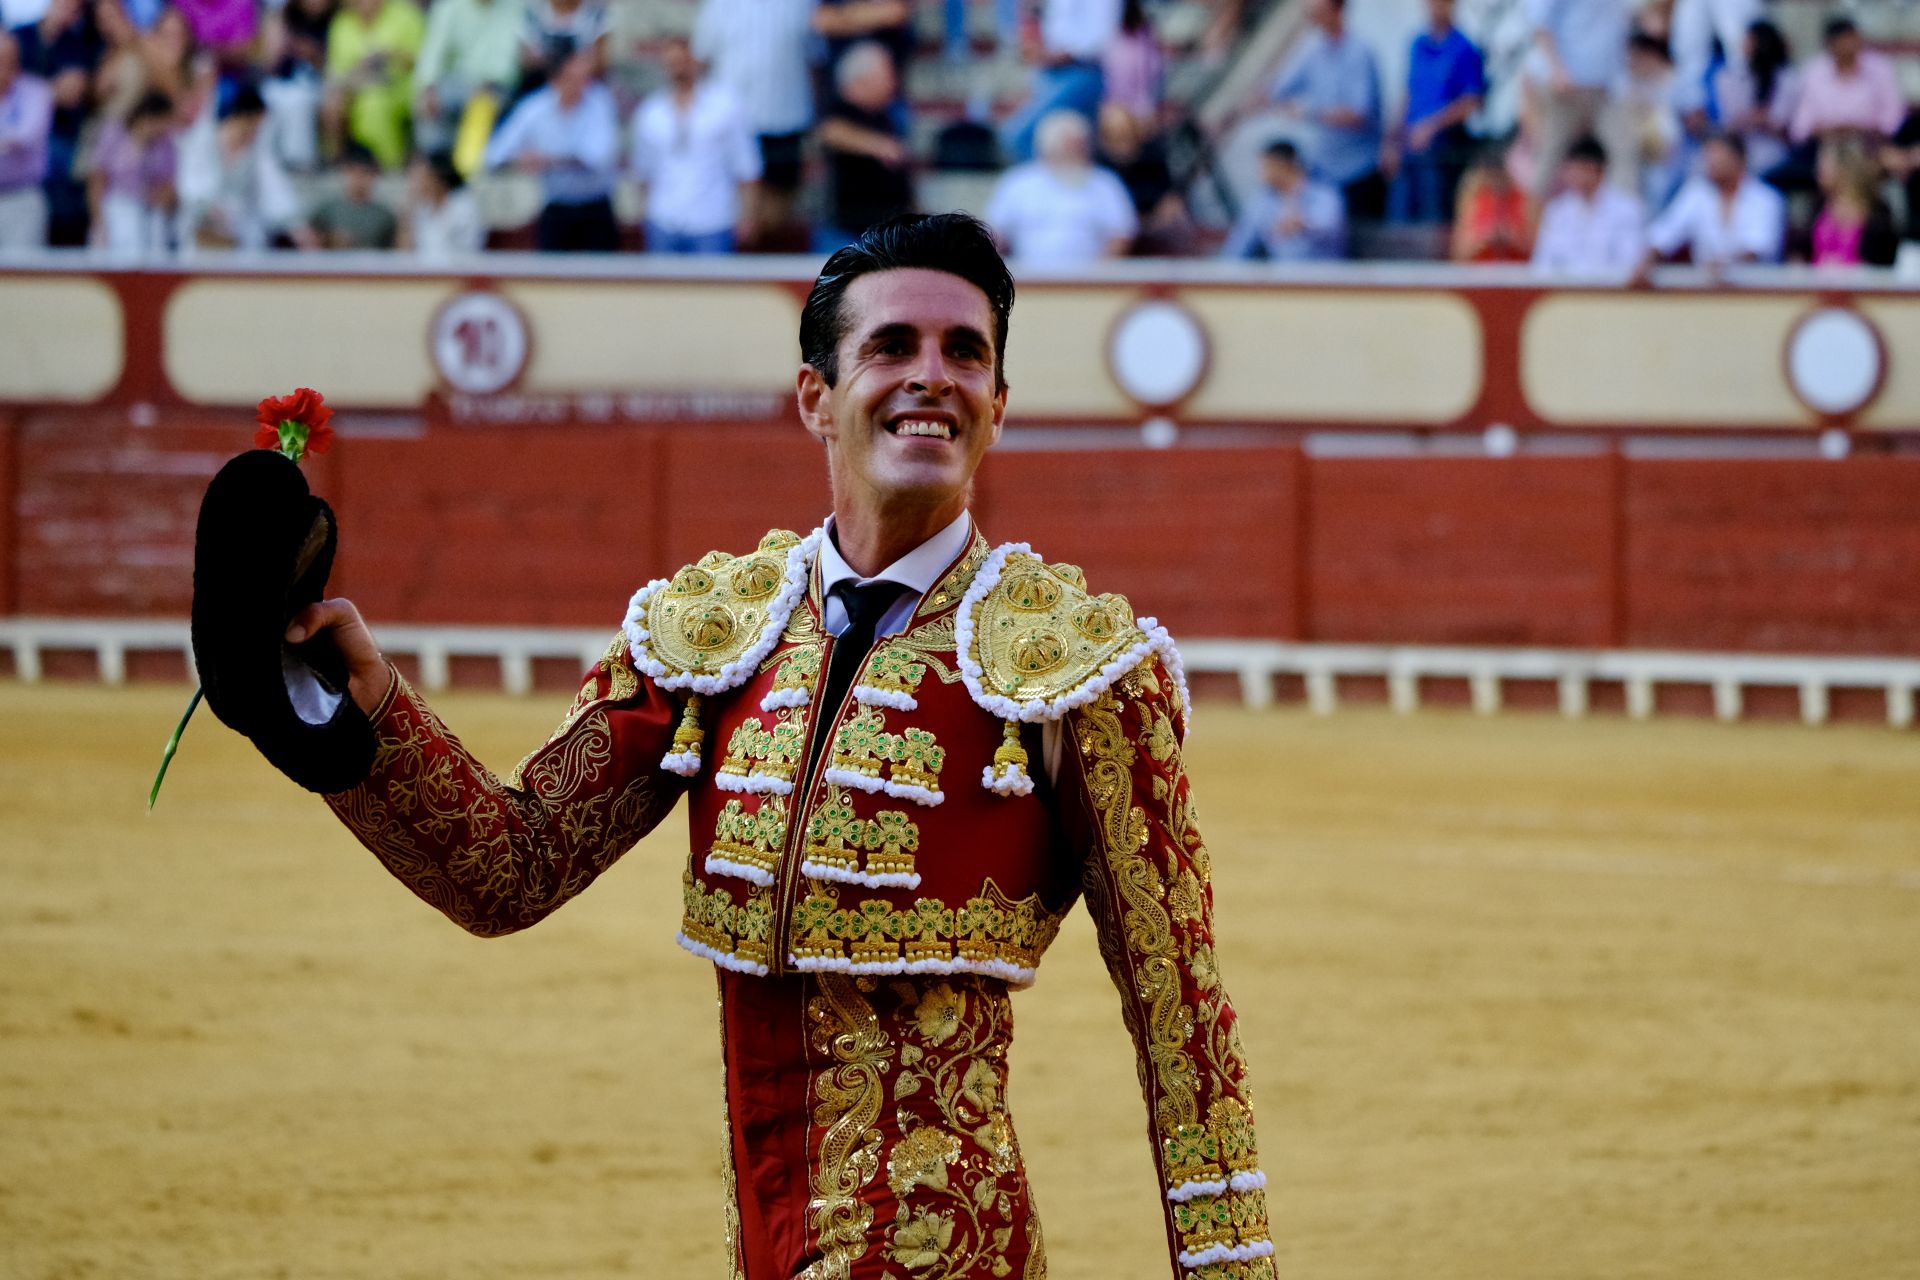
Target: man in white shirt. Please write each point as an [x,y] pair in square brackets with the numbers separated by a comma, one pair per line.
[567,132]
[1592,229]
[696,159]
[1062,209]
[1722,216]
[233,192]
[1291,218]
[1067,75]
[758,49]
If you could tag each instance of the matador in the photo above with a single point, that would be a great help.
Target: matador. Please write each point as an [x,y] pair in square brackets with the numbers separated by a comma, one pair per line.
[906,752]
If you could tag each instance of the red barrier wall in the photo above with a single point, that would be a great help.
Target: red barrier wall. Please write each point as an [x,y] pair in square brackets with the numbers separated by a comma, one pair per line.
[558,525]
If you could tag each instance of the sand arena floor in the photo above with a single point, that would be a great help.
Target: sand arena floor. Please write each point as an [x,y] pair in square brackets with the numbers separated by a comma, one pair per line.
[1523,999]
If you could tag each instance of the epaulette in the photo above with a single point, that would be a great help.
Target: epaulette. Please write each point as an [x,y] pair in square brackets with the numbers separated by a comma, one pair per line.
[1034,644]
[707,628]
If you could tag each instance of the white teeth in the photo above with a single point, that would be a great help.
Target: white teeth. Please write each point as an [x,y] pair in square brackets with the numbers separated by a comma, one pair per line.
[923,427]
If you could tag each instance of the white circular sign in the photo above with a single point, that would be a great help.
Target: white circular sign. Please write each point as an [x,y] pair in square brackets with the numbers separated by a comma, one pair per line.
[1835,361]
[1157,353]
[479,342]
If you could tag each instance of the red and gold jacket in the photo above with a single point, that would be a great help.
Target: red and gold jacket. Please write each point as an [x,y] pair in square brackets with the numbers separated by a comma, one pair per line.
[927,837]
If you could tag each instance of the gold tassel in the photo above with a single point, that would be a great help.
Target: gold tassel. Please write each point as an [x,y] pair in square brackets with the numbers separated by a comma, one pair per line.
[1009,775]
[688,738]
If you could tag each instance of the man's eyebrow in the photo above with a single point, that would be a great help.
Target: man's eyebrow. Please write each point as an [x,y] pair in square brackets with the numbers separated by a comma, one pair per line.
[902,329]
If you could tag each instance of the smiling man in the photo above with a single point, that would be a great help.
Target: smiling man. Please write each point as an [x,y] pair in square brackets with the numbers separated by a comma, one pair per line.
[906,752]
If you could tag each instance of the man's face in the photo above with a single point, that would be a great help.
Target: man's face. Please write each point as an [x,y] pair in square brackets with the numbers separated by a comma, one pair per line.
[1282,174]
[915,407]
[1722,163]
[1325,14]
[1845,47]
[1440,12]
[9,60]
[358,181]
[1584,176]
[676,59]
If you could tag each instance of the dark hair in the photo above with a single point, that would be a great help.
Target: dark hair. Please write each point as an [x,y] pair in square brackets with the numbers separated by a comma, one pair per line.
[1588,148]
[1281,149]
[1770,57]
[151,103]
[956,243]
[1643,42]
[355,153]
[1133,17]
[1728,139]
[1837,26]
[440,165]
[246,101]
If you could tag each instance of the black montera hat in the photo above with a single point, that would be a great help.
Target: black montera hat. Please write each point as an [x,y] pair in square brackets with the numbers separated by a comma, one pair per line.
[261,554]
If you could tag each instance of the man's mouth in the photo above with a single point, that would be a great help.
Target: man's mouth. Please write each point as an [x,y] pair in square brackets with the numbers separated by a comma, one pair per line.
[930,428]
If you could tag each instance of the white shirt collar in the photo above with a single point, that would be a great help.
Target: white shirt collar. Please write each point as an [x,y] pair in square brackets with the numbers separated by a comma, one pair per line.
[919,569]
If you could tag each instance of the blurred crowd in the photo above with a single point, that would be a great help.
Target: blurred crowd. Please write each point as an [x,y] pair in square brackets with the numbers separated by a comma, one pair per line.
[1646,131]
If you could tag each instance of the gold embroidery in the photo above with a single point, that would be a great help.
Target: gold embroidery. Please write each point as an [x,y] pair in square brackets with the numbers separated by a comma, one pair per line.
[778,751]
[622,683]
[729,1185]
[743,747]
[862,743]
[1038,636]
[891,839]
[712,919]
[798,668]
[848,1096]
[893,670]
[916,758]
[752,839]
[933,643]
[714,611]
[987,930]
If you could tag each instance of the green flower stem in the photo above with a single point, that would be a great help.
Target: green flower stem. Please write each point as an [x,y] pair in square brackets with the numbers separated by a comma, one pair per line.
[173,745]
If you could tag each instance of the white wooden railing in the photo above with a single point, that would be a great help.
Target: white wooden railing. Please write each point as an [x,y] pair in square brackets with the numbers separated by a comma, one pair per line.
[1256,663]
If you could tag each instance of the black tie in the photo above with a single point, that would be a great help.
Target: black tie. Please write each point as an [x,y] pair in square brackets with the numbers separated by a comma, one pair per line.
[865,603]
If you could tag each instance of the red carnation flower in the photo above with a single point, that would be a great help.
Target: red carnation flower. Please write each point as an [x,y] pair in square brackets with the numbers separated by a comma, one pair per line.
[296,425]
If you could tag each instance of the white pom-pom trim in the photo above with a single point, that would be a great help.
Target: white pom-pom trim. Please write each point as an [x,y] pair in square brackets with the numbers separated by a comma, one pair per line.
[735,673]
[867,782]
[1189,1189]
[725,959]
[917,794]
[1156,641]
[1224,1253]
[684,763]
[869,696]
[719,866]
[1009,783]
[1014,974]
[1251,1180]
[778,698]
[753,784]
[887,880]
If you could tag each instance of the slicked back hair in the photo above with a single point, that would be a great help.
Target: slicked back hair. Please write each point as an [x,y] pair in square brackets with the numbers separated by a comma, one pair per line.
[956,243]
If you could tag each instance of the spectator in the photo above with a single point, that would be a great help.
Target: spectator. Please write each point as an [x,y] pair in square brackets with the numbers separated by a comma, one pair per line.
[1696,27]
[1644,123]
[1901,158]
[1721,216]
[696,159]
[131,185]
[225,26]
[1754,95]
[1848,87]
[1291,218]
[1428,153]
[64,49]
[1061,210]
[26,122]
[352,218]
[1068,75]
[371,45]
[554,31]
[296,61]
[1333,83]
[1133,71]
[1006,25]
[1139,160]
[1592,228]
[567,132]
[171,62]
[471,47]
[757,49]
[846,23]
[233,192]
[1493,222]
[1583,48]
[442,220]
[1854,227]
[869,176]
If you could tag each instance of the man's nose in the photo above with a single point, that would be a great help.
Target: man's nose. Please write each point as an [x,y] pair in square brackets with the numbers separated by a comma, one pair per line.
[931,375]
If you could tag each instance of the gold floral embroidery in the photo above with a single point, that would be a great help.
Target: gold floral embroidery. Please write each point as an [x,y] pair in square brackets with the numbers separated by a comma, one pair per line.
[991,931]
[713,919]
[751,839]
[847,1099]
[834,835]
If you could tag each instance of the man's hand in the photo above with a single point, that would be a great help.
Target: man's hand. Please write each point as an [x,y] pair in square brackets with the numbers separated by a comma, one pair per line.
[367,671]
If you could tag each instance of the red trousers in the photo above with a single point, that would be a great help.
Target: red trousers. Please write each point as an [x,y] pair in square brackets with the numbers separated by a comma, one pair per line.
[869,1133]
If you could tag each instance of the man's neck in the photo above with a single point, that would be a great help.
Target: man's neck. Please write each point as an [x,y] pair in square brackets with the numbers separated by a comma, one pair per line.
[870,540]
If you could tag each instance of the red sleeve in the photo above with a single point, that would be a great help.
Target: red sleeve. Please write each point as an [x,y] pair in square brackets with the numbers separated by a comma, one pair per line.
[498,856]
[1147,878]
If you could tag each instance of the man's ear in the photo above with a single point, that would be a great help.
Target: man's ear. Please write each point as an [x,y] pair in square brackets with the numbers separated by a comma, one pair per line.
[999,414]
[815,400]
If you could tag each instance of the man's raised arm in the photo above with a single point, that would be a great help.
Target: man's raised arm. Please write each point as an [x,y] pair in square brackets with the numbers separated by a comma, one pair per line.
[496,856]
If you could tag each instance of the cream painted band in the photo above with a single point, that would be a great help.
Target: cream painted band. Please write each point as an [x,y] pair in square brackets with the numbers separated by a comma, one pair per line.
[361,342]
[1057,353]
[1898,406]
[1317,355]
[64,339]
[1662,360]
[624,336]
